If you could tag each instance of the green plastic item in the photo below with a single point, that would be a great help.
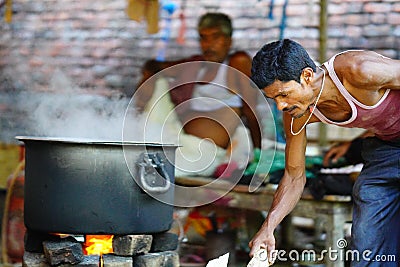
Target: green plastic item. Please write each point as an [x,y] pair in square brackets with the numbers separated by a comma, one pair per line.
[270,160]
[266,161]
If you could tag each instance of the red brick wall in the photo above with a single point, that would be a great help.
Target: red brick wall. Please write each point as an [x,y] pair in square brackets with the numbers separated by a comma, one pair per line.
[96,49]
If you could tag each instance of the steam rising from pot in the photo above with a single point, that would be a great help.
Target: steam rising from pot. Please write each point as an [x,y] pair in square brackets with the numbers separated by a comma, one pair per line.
[65,112]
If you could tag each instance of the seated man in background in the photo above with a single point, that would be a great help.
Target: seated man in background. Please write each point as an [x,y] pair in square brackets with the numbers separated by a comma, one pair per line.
[208,101]
[349,150]
[204,103]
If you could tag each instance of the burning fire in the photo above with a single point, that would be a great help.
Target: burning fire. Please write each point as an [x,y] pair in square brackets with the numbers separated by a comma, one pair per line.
[98,244]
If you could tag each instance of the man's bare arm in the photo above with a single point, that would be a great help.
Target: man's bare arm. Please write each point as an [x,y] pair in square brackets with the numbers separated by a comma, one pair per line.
[289,190]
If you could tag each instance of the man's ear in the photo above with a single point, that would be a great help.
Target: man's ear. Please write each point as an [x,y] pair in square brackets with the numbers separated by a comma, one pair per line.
[306,75]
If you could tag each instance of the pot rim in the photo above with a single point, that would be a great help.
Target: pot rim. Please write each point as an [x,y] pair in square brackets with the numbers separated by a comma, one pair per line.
[91,141]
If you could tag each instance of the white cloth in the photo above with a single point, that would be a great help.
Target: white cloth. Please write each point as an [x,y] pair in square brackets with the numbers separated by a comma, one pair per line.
[195,156]
[260,259]
[213,95]
[221,261]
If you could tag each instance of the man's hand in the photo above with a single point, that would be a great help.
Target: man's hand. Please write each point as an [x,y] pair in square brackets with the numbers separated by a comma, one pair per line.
[336,152]
[264,239]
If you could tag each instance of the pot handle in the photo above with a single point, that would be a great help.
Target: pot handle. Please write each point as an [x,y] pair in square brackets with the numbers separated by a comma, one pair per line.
[152,173]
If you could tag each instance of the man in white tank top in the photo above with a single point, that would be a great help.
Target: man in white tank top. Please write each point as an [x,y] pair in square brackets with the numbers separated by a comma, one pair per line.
[209,112]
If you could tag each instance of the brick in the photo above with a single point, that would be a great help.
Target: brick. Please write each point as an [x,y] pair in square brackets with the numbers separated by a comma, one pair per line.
[379,42]
[164,242]
[338,9]
[171,259]
[396,31]
[88,261]
[353,19]
[355,7]
[129,245]
[374,7]
[110,260]
[375,30]
[31,259]
[378,18]
[158,259]
[64,251]
[114,81]
[396,7]
[297,10]
[394,18]
[149,260]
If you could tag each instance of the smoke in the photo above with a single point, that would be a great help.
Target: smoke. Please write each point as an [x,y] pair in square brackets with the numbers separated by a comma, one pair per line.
[77,116]
[65,112]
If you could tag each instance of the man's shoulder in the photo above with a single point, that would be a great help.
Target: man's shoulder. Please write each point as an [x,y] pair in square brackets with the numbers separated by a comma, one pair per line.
[239,55]
[194,58]
[359,64]
[353,58]
[241,61]
[239,58]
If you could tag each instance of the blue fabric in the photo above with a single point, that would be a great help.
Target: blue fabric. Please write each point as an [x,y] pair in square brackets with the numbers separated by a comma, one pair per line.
[376,216]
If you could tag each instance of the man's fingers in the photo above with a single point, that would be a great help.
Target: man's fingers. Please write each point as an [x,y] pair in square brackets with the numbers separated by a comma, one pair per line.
[272,254]
[256,247]
[328,157]
[252,251]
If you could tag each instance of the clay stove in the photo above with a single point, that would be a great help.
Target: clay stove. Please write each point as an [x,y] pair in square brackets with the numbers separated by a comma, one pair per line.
[78,188]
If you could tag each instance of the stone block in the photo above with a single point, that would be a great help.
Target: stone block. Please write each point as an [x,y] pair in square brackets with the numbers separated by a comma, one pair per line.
[158,259]
[66,251]
[31,259]
[130,245]
[171,259]
[110,260]
[164,242]
[88,261]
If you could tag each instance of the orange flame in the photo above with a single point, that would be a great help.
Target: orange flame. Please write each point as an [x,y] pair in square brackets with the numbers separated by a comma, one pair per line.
[98,244]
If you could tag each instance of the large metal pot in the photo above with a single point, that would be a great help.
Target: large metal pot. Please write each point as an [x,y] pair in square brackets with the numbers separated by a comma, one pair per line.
[94,187]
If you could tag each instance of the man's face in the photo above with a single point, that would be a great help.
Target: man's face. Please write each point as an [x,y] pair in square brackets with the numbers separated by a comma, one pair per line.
[290,97]
[214,44]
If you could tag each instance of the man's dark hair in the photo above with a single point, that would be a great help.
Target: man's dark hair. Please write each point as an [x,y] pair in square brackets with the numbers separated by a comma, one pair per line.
[282,60]
[211,20]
